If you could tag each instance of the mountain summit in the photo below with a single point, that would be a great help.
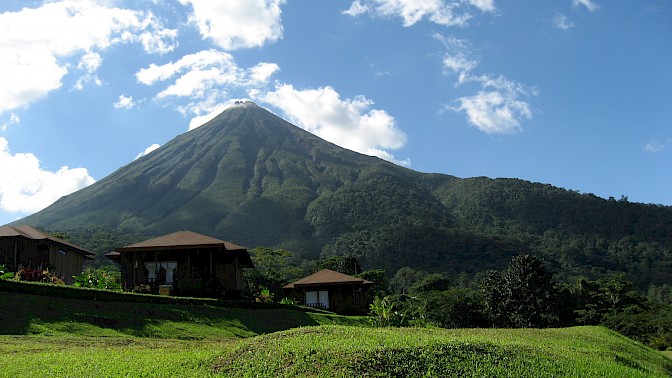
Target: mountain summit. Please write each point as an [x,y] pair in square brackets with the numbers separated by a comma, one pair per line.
[251,178]
[246,175]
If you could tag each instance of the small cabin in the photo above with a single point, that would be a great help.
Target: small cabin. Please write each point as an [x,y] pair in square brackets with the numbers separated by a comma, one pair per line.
[184,263]
[332,291]
[27,247]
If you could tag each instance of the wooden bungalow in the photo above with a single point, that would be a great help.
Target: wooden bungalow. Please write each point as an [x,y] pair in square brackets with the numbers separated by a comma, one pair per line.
[333,291]
[27,247]
[184,263]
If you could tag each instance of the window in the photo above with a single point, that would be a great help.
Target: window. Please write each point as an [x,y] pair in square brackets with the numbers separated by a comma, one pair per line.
[161,271]
[319,299]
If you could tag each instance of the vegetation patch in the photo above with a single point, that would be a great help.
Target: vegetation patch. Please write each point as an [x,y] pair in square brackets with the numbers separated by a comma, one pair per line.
[330,351]
[27,314]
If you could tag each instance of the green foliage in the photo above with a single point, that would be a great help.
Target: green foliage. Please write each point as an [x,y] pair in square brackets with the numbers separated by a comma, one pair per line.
[454,308]
[524,296]
[265,295]
[379,279]
[404,279]
[107,278]
[272,270]
[397,311]
[651,326]
[431,282]
[343,264]
[61,235]
[5,274]
[604,297]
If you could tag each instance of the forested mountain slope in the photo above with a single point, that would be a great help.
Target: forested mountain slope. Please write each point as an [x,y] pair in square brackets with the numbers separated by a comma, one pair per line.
[251,178]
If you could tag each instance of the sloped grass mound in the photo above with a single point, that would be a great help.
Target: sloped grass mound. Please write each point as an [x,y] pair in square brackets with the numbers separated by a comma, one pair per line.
[29,314]
[336,351]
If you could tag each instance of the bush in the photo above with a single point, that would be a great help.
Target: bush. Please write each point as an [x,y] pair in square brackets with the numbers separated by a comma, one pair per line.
[99,279]
[38,275]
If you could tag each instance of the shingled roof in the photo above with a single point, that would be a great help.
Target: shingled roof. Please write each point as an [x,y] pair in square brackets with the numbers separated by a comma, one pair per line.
[326,277]
[180,240]
[184,240]
[31,233]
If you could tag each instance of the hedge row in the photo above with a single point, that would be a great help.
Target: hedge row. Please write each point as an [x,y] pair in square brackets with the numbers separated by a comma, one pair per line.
[87,294]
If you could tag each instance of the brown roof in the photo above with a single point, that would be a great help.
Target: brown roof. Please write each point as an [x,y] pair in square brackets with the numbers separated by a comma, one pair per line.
[28,232]
[180,240]
[326,276]
[184,240]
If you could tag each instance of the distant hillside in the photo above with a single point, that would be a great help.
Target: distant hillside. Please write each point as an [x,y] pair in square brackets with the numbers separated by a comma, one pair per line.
[252,178]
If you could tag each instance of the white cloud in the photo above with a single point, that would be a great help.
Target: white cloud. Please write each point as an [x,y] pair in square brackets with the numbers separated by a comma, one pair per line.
[205,78]
[446,13]
[238,24]
[656,145]
[356,9]
[561,22]
[148,150]
[90,62]
[156,39]
[38,45]
[13,120]
[484,5]
[125,102]
[213,111]
[26,187]
[494,112]
[589,4]
[346,123]
[458,57]
[497,107]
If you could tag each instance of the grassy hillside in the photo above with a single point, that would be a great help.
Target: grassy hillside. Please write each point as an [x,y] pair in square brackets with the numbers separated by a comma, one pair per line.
[341,351]
[26,314]
[337,351]
[52,336]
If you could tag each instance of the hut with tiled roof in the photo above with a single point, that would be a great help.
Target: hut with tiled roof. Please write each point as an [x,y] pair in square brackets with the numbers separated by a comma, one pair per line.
[184,263]
[25,247]
[333,291]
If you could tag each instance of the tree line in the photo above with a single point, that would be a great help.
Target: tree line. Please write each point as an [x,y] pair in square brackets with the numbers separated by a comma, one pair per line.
[526,294]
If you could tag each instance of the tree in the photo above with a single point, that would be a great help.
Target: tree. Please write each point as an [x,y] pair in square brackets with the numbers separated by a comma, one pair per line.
[431,282]
[379,279]
[495,297]
[343,264]
[61,235]
[606,297]
[404,279]
[454,308]
[272,270]
[524,296]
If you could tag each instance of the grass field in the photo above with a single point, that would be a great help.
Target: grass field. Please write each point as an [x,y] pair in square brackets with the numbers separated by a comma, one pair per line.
[45,336]
[26,314]
[348,351]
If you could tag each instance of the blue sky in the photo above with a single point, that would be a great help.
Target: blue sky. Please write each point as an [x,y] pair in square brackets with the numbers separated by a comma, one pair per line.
[573,93]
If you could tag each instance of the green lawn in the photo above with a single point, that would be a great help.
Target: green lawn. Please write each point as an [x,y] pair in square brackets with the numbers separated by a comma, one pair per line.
[27,314]
[49,336]
[392,352]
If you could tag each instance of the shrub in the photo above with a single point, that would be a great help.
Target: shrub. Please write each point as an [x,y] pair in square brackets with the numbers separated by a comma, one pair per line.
[98,279]
[5,274]
[38,275]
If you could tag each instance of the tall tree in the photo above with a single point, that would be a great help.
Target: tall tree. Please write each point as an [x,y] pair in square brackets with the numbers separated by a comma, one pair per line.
[524,296]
